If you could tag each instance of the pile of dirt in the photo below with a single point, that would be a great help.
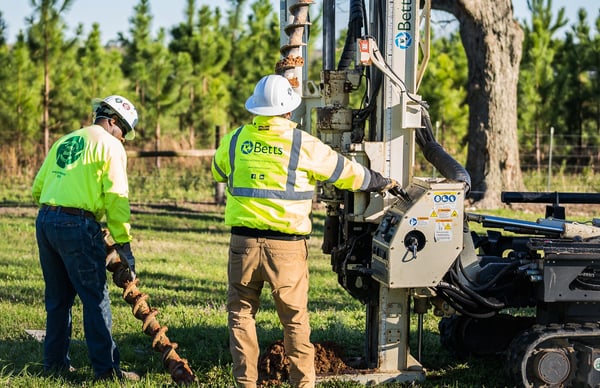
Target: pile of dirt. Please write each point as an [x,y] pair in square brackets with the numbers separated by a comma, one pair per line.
[274,365]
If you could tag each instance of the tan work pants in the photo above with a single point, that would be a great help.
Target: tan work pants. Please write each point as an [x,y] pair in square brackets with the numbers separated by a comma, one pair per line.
[283,264]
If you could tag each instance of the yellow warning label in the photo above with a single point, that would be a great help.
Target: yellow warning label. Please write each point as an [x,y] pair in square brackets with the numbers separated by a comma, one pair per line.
[455,214]
[434,214]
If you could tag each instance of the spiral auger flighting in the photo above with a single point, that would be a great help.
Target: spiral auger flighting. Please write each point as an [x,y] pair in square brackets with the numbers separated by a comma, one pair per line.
[177,366]
[291,52]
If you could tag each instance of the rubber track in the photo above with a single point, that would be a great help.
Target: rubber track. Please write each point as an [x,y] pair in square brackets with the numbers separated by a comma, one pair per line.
[523,345]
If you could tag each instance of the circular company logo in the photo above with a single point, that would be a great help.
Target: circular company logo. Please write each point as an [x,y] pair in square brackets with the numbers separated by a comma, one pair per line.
[247,147]
[69,151]
[403,40]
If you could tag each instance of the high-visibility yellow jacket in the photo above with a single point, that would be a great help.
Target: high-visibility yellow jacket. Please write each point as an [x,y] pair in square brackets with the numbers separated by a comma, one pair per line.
[87,169]
[271,169]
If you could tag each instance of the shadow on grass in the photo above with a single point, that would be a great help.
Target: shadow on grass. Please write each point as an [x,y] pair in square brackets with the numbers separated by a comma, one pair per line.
[205,347]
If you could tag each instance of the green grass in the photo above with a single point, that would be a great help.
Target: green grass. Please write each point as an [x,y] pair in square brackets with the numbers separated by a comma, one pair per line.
[181,259]
[181,251]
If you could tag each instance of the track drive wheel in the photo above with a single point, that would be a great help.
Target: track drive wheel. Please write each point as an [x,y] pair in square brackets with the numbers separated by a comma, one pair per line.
[538,359]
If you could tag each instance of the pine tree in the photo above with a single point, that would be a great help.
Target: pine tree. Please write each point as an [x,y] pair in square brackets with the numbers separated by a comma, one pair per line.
[46,42]
[150,66]
[254,55]
[536,76]
[20,105]
[206,87]
[100,70]
[444,90]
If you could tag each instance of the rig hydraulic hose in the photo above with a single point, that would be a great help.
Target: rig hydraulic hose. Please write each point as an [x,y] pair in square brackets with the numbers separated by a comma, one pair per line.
[437,156]
[355,24]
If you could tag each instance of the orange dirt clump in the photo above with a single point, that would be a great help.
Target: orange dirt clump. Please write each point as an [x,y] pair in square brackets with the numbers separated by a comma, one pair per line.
[274,366]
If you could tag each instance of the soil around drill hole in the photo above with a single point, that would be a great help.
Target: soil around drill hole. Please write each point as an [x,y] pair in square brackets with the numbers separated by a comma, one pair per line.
[274,365]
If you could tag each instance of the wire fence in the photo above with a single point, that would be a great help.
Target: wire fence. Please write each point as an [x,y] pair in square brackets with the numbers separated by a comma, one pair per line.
[564,159]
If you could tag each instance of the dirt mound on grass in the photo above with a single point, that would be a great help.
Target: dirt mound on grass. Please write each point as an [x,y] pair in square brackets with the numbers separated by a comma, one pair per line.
[274,366]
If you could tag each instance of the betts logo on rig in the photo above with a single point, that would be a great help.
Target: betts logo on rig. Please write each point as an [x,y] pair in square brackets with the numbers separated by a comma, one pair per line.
[403,40]
[249,147]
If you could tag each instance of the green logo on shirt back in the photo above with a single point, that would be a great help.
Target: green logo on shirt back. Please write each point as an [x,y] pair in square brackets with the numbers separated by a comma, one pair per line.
[69,151]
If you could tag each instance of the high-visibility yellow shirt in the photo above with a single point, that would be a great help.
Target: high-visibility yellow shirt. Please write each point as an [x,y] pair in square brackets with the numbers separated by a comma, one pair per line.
[87,169]
[271,169]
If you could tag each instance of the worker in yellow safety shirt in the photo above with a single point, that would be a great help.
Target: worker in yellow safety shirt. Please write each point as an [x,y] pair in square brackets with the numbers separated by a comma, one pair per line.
[83,179]
[270,168]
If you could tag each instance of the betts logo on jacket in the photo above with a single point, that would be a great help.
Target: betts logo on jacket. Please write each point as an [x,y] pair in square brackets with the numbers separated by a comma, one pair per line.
[248,147]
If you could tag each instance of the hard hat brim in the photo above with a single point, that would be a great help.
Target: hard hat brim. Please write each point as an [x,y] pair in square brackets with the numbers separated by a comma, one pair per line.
[253,107]
[97,103]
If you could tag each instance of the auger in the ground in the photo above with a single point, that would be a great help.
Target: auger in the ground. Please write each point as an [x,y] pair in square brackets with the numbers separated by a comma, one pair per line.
[177,366]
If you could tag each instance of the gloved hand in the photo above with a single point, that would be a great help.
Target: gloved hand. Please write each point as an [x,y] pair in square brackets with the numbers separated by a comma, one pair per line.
[124,251]
[393,187]
[398,191]
[389,185]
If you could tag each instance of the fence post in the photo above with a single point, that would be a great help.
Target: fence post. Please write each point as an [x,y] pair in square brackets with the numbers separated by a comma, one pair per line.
[219,186]
[550,159]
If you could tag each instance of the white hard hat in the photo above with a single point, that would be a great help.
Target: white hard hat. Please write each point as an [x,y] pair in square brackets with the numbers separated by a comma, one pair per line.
[273,96]
[123,108]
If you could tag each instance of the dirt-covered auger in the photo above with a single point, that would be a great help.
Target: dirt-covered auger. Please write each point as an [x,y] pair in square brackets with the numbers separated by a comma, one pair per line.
[177,366]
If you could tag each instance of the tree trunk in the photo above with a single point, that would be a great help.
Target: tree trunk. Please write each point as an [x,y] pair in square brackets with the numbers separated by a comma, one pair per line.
[492,39]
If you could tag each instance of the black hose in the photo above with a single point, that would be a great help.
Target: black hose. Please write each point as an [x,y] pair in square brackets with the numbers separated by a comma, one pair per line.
[443,293]
[585,285]
[458,295]
[355,24]
[474,295]
[436,155]
[486,286]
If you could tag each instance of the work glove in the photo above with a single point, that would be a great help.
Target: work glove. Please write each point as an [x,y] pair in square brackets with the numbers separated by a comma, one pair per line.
[398,191]
[379,183]
[393,187]
[124,251]
[382,184]
[389,185]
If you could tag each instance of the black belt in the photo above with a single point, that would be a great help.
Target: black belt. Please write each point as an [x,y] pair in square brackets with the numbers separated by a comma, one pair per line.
[269,234]
[70,210]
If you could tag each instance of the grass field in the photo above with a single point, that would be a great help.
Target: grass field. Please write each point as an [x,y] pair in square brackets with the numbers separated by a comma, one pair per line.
[180,243]
[181,256]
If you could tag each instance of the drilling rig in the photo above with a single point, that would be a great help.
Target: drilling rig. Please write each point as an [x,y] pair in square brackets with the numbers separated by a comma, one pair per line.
[532,293]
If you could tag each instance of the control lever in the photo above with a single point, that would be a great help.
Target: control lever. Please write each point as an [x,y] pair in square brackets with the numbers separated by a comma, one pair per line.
[398,191]
[413,246]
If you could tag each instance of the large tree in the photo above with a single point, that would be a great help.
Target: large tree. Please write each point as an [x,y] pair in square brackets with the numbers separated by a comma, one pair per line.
[492,39]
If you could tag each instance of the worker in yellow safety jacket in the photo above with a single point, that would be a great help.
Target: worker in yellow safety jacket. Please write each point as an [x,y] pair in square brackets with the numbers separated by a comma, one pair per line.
[270,168]
[82,180]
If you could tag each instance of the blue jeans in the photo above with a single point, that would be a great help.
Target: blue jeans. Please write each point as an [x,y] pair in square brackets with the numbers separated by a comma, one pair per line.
[72,256]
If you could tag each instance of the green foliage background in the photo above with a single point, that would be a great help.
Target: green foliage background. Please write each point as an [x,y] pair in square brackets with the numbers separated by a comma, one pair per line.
[190,80]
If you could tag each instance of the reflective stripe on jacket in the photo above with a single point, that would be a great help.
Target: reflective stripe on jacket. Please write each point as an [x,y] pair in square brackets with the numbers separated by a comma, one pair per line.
[271,169]
[87,169]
